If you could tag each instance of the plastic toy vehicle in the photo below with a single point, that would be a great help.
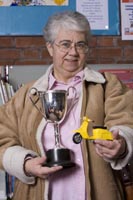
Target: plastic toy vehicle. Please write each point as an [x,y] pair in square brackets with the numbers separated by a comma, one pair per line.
[87,131]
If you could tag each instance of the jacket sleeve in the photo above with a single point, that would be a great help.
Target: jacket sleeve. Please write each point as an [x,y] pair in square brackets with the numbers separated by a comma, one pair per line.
[12,152]
[119,114]
[118,103]
[127,133]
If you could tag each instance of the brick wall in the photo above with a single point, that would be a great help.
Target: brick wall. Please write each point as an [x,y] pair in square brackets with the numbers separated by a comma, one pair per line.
[22,50]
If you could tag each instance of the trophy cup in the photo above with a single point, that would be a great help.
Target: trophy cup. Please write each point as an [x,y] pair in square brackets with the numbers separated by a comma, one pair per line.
[54,108]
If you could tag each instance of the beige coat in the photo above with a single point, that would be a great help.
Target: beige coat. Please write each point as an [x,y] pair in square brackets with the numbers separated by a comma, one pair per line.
[21,125]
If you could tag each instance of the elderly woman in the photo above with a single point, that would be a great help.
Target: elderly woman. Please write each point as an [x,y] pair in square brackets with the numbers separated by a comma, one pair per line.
[25,136]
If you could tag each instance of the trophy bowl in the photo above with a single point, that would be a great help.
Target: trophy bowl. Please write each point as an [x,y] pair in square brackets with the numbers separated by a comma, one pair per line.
[54,104]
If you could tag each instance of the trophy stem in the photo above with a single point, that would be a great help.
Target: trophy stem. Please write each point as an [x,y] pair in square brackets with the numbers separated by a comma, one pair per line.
[57,135]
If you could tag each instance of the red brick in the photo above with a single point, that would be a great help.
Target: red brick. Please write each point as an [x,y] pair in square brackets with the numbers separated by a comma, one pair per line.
[4,62]
[30,41]
[128,53]
[30,53]
[125,62]
[105,41]
[124,43]
[93,42]
[45,54]
[109,52]
[6,42]
[9,53]
[33,62]
[106,61]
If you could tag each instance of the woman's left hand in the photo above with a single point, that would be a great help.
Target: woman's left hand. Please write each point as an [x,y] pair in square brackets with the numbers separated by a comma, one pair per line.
[111,149]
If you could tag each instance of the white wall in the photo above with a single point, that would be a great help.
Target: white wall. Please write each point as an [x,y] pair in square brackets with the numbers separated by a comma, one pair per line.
[21,74]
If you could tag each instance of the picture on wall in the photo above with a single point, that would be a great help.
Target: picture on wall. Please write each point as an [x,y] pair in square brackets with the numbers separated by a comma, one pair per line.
[127,19]
[33,2]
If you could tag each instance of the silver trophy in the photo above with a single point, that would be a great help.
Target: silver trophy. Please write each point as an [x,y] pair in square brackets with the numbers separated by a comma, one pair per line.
[54,109]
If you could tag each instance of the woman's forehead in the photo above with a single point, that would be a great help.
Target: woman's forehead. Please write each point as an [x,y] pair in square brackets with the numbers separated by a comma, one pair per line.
[64,34]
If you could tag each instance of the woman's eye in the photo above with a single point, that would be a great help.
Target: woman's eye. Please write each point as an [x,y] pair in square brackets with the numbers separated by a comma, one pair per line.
[81,45]
[66,44]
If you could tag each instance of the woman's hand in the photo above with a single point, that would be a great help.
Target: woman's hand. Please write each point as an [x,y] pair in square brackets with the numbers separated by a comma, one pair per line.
[111,149]
[34,167]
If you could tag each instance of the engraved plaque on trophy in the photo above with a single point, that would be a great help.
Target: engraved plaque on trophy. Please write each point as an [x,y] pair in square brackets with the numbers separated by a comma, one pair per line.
[54,109]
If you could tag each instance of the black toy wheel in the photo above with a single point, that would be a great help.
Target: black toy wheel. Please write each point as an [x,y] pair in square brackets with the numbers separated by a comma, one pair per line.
[77,138]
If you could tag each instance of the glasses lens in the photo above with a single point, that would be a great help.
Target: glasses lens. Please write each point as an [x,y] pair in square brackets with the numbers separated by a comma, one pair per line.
[81,47]
[65,46]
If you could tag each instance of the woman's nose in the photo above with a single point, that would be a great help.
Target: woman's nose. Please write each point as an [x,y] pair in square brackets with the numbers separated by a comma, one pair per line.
[73,49]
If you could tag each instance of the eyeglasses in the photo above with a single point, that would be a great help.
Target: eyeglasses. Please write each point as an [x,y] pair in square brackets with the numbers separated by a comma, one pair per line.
[66,46]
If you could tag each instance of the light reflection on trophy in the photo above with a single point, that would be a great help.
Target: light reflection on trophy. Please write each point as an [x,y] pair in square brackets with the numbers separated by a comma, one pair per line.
[54,108]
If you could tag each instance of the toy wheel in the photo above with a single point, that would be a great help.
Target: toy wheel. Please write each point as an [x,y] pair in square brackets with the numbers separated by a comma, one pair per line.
[77,138]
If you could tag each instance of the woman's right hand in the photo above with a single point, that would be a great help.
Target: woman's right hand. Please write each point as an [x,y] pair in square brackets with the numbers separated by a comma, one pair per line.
[34,167]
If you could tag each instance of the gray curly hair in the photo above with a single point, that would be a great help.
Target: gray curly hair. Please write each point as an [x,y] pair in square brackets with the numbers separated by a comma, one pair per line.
[70,20]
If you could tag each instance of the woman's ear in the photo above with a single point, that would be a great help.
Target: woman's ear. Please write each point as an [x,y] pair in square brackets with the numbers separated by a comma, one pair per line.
[49,48]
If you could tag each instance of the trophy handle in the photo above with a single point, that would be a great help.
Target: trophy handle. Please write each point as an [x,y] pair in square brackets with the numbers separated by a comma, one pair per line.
[75,93]
[34,102]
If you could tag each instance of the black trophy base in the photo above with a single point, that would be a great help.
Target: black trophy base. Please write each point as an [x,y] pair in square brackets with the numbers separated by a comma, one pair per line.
[59,157]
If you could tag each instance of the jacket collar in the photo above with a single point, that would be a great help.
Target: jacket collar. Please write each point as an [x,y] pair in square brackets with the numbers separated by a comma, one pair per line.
[93,76]
[89,75]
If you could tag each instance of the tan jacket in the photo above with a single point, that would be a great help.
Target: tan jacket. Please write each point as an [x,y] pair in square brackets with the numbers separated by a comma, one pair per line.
[21,126]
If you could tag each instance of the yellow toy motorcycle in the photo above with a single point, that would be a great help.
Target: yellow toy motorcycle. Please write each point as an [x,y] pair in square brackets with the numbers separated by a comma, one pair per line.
[87,131]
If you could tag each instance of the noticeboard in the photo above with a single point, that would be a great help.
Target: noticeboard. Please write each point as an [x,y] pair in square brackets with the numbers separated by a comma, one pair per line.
[30,20]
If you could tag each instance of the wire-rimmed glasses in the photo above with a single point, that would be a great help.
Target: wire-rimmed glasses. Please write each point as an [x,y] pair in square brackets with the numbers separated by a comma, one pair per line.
[65,46]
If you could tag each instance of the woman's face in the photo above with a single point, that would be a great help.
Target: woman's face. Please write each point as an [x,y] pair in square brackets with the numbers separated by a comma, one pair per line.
[69,62]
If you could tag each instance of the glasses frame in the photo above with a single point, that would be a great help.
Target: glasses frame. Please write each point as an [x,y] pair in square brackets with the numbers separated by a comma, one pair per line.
[72,44]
